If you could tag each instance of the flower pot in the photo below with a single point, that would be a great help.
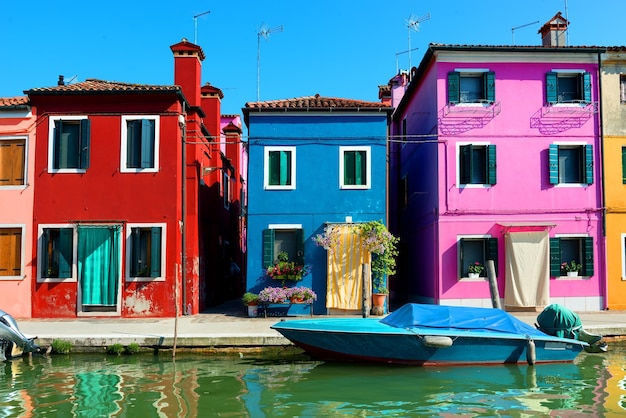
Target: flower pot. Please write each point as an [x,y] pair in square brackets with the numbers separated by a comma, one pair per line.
[297,300]
[378,299]
[253,311]
[473,275]
[572,274]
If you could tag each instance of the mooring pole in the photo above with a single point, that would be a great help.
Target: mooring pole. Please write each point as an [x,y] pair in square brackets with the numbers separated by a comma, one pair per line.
[493,285]
[365,290]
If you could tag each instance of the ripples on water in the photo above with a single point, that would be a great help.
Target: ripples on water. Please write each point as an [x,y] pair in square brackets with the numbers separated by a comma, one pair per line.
[194,385]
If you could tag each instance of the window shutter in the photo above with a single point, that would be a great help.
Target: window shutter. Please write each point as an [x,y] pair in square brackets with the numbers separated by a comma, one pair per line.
[553,163]
[492,252]
[85,134]
[300,246]
[56,144]
[349,162]
[147,143]
[491,164]
[274,168]
[466,164]
[66,236]
[135,247]
[586,87]
[358,168]
[624,165]
[490,86]
[588,257]
[555,257]
[45,240]
[461,257]
[155,252]
[589,164]
[454,87]
[268,247]
[551,90]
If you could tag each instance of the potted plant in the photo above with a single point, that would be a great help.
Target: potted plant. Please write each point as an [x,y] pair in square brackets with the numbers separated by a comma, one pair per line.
[301,294]
[475,270]
[379,294]
[272,295]
[571,269]
[284,269]
[251,301]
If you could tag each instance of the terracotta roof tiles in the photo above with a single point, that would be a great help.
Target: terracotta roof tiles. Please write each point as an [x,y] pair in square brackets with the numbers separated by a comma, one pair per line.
[314,102]
[92,85]
[13,102]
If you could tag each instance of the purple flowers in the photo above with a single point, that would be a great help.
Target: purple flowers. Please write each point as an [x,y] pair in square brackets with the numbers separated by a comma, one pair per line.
[279,294]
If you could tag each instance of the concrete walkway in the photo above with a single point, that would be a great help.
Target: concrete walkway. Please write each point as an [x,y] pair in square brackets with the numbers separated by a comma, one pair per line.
[224,326]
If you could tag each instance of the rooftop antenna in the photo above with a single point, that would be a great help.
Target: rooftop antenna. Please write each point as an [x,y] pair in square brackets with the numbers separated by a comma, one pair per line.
[400,53]
[413,23]
[566,26]
[519,27]
[264,31]
[195,25]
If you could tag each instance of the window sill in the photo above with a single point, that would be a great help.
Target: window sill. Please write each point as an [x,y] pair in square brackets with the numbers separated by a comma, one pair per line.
[144,279]
[572,277]
[471,279]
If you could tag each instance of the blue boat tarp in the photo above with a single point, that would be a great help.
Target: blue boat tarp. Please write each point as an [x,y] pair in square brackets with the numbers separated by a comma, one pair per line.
[413,315]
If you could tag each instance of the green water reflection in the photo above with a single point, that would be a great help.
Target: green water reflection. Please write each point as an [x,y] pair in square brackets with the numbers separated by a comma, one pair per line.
[194,385]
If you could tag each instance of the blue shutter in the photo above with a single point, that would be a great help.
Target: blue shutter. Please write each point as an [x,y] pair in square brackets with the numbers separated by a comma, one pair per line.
[551,88]
[588,266]
[555,257]
[155,252]
[268,247]
[553,163]
[147,143]
[490,86]
[491,164]
[454,87]
[84,142]
[66,236]
[589,164]
[586,87]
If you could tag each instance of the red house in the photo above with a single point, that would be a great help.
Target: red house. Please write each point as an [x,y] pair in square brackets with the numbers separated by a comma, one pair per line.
[119,215]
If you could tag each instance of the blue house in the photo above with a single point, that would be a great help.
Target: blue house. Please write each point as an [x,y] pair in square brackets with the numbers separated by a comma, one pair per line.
[313,162]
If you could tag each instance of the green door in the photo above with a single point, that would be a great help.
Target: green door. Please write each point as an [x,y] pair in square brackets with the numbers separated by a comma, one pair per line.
[98,267]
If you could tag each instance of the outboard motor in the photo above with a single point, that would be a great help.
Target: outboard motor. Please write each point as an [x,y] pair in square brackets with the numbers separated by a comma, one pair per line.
[10,334]
[561,322]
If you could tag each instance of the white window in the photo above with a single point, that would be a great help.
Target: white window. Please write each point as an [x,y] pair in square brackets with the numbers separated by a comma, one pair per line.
[145,252]
[280,168]
[57,253]
[140,144]
[567,87]
[474,251]
[355,168]
[11,252]
[622,88]
[68,144]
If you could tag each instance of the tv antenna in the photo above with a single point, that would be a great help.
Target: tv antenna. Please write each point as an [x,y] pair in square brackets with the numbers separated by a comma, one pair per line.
[264,31]
[413,23]
[195,25]
[519,27]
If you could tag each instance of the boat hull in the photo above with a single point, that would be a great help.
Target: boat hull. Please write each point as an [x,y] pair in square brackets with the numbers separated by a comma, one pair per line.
[370,341]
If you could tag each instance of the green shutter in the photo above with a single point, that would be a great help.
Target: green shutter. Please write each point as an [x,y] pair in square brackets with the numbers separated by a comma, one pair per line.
[274,168]
[489,82]
[155,252]
[466,164]
[588,266]
[56,145]
[45,240]
[588,164]
[555,257]
[553,163]
[300,246]
[624,165]
[454,87]
[491,164]
[349,163]
[83,143]
[268,247]
[461,257]
[586,87]
[135,247]
[284,168]
[492,252]
[551,88]
[358,168]
[147,143]
[66,236]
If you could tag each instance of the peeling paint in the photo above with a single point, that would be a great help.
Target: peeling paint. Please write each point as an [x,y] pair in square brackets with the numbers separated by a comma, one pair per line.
[138,304]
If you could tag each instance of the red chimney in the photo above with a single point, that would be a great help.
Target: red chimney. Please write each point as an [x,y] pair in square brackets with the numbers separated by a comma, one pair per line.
[211,105]
[188,59]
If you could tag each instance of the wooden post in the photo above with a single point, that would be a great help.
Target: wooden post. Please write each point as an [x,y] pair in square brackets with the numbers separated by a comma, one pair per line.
[366,291]
[493,285]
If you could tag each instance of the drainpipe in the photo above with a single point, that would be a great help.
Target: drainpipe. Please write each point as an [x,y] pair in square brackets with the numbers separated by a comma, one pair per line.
[602,235]
[184,213]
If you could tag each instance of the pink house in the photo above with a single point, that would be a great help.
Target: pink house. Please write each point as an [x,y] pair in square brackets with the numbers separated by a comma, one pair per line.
[17,144]
[497,158]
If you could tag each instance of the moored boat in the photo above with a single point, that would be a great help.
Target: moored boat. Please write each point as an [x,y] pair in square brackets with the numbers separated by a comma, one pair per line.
[430,335]
[12,342]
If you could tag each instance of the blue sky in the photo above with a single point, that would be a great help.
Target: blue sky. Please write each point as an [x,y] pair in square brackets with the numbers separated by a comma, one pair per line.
[339,48]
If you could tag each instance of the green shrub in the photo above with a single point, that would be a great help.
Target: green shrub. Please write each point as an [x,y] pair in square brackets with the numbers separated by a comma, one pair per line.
[115,349]
[132,348]
[61,346]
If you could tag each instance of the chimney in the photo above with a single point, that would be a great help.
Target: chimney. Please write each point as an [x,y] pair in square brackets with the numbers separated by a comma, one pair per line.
[553,31]
[188,59]
[211,105]
[60,82]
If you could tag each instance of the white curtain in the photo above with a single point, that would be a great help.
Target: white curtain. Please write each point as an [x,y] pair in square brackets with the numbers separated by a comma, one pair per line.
[527,269]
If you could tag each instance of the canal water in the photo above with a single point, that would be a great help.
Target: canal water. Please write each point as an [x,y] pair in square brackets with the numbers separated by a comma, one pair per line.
[195,385]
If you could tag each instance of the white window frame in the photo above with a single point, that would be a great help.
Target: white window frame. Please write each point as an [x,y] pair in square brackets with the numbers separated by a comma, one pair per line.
[129,228]
[623,251]
[571,145]
[266,167]
[458,256]
[567,72]
[22,249]
[471,72]
[41,250]
[579,237]
[51,121]
[458,166]
[368,168]
[124,139]
[26,139]
[622,88]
